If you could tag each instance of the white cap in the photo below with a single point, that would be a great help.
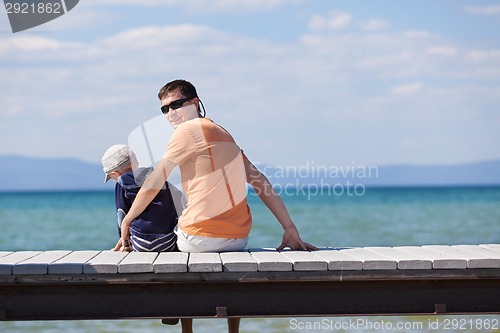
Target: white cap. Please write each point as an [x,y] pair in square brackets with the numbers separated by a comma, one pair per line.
[114,158]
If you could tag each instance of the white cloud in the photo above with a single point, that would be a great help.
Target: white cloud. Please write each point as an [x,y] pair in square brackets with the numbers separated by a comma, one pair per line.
[375,24]
[483,56]
[446,51]
[417,34]
[335,20]
[93,93]
[240,5]
[81,17]
[207,6]
[405,89]
[483,10]
[146,3]
[171,39]
[30,43]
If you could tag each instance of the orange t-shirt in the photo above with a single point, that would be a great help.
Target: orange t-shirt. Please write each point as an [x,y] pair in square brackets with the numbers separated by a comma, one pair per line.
[213,179]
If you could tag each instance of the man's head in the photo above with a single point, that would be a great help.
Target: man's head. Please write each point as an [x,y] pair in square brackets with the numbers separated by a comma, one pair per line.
[184,87]
[180,102]
[118,159]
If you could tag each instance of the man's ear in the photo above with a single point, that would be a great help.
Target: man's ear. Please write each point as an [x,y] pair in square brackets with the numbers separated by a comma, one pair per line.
[196,101]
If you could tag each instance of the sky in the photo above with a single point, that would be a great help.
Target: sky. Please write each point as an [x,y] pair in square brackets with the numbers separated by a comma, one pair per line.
[296,82]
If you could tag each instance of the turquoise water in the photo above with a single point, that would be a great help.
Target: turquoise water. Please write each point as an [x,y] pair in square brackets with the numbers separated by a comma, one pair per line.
[376,217]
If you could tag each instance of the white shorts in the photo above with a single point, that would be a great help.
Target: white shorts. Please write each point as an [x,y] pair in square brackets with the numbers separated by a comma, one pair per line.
[196,244]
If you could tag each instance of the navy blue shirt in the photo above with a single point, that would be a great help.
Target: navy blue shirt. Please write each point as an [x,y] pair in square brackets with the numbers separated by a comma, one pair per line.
[159,217]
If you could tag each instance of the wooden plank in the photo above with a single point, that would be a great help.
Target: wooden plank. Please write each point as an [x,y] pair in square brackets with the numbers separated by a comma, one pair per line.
[7,262]
[204,262]
[405,260]
[480,249]
[305,261]
[137,262]
[339,261]
[440,259]
[104,262]
[238,262]
[171,262]
[4,253]
[371,260]
[473,260]
[491,247]
[477,257]
[38,264]
[270,260]
[485,256]
[72,263]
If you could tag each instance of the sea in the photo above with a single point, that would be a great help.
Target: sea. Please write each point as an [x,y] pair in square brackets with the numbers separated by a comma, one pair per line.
[83,220]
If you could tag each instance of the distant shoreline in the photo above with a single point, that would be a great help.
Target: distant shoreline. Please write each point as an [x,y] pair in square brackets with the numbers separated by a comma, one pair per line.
[368,187]
[73,175]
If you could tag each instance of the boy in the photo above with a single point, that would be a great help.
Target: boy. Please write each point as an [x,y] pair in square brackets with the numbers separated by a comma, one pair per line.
[153,229]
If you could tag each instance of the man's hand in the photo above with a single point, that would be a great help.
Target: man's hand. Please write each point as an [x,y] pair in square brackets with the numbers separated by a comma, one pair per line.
[123,244]
[291,238]
[117,246]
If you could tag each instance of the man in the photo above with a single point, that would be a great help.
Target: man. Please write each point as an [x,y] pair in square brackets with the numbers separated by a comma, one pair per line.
[214,172]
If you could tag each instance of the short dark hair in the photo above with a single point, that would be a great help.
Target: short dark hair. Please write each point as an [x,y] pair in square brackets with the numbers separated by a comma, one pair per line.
[184,87]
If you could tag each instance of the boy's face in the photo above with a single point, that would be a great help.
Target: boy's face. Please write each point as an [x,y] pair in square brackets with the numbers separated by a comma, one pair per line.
[177,114]
[114,175]
[129,167]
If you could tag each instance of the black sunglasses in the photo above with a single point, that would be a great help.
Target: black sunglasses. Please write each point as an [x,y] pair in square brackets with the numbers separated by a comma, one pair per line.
[174,105]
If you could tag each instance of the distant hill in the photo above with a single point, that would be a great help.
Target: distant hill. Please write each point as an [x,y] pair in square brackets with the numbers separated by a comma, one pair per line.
[480,173]
[471,174]
[26,173]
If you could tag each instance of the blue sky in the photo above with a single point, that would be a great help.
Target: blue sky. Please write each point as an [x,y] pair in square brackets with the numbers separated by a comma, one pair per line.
[295,81]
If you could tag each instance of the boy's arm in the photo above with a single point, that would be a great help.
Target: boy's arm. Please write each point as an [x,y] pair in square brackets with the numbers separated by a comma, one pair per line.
[150,188]
[272,200]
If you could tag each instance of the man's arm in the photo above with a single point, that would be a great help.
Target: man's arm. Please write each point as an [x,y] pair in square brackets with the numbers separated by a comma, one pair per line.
[122,204]
[272,200]
[178,198]
[152,185]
